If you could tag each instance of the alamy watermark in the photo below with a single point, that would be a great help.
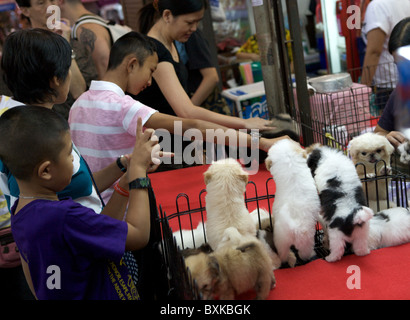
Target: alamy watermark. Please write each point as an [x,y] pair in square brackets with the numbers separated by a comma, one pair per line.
[54,20]
[354,282]
[353,21]
[192,147]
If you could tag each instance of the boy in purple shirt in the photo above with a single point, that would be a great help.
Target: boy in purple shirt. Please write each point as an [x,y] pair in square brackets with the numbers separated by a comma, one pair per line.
[67,250]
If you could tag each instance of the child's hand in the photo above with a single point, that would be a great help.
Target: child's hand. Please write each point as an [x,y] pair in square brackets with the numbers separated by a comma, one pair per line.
[64,29]
[141,158]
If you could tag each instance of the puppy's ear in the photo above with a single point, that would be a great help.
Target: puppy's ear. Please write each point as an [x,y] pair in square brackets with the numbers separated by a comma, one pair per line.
[207,177]
[246,246]
[244,177]
[214,267]
[353,150]
[268,163]
[388,147]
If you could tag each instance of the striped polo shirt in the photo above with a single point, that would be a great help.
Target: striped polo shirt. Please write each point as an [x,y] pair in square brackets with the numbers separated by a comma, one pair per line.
[103,122]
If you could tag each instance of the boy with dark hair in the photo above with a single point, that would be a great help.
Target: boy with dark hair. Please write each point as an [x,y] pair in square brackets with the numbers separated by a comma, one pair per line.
[103,119]
[21,66]
[37,12]
[82,248]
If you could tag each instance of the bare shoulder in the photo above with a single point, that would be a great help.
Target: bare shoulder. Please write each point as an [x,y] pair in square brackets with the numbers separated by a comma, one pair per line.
[92,32]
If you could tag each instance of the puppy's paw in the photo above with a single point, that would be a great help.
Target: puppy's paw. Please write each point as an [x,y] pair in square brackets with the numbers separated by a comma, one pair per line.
[386,171]
[362,252]
[370,175]
[332,258]
[292,259]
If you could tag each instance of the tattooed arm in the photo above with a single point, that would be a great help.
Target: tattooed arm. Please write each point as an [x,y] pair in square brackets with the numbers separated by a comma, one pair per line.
[97,41]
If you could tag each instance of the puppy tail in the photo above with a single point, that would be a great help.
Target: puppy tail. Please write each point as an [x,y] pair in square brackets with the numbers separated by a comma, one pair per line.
[363,215]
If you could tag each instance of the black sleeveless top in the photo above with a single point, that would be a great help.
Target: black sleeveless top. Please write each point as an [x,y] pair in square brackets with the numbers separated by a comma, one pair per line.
[152,95]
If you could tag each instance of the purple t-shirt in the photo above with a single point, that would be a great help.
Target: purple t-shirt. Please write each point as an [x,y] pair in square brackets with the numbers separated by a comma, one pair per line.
[72,252]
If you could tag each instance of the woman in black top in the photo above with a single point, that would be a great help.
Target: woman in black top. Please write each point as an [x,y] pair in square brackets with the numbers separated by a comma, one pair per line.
[176,20]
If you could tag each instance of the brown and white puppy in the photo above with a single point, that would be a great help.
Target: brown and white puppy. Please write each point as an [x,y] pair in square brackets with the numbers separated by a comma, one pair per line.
[225,204]
[371,153]
[232,270]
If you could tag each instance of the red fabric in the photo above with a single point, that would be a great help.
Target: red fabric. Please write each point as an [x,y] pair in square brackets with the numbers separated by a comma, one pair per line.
[169,184]
[385,273]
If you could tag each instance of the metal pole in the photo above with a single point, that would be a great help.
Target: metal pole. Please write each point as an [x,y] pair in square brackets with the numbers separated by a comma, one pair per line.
[300,71]
[267,43]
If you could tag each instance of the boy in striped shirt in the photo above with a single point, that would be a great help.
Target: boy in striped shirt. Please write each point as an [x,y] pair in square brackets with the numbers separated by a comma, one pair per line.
[103,119]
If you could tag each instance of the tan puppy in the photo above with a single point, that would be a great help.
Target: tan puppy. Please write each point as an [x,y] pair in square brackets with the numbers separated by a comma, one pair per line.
[371,152]
[232,270]
[225,204]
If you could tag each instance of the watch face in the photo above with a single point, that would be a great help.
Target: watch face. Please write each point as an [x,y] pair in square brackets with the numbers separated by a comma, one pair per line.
[144,182]
[139,183]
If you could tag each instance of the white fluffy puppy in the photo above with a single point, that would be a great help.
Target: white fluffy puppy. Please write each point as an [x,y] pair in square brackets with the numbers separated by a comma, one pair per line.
[371,152]
[389,227]
[261,218]
[345,215]
[296,207]
[225,204]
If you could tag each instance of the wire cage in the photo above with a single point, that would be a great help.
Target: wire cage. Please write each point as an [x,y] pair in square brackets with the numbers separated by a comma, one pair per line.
[334,119]
[337,117]
[185,227]
[189,233]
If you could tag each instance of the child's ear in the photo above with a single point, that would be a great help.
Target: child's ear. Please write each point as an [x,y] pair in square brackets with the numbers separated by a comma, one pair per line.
[54,82]
[132,63]
[44,170]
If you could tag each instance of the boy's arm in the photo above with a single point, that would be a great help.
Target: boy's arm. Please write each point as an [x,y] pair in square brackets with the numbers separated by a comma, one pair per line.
[164,121]
[138,214]
[107,176]
[117,204]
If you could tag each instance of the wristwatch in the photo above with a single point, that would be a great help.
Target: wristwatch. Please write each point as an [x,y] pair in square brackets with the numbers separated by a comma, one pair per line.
[119,164]
[140,183]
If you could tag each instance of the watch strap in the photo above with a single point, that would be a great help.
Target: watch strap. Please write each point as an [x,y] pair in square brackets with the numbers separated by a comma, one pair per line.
[140,183]
[119,164]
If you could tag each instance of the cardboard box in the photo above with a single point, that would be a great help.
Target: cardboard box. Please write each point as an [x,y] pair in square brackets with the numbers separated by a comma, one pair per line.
[248,101]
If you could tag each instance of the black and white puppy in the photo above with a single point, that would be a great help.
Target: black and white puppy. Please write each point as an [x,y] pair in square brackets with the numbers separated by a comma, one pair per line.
[344,214]
[389,227]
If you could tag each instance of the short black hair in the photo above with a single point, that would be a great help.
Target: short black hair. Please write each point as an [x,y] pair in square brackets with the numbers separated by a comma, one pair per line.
[180,7]
[24,3]
[31,59]
[131,43]
[400,35]
[30,135]
[149,13]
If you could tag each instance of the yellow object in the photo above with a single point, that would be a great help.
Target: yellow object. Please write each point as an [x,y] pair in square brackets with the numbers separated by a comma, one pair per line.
[250,46]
